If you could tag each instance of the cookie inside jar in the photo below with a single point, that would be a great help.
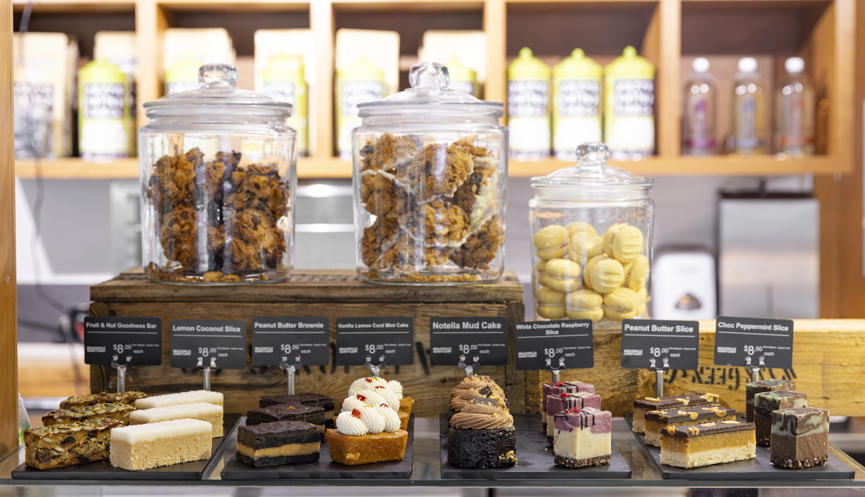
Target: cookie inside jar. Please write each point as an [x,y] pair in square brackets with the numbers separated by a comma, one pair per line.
[219,218]
[430,169]
[432,208]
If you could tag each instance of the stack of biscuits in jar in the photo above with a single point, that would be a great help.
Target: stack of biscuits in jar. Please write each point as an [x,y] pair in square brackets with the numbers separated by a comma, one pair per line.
[583,275]
[432,206]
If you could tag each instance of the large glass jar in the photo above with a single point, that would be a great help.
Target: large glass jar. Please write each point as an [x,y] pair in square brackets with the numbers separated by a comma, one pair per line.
[218,175]
[591,241]
[430,170]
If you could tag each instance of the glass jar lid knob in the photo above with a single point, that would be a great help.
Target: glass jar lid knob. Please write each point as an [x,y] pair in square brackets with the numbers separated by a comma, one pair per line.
[217,76]
[592,157]
[429,76]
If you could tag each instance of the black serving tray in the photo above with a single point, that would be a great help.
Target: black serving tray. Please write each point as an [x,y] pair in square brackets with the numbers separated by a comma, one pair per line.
[534,458]
[324,469]
[195,470]
[759,468]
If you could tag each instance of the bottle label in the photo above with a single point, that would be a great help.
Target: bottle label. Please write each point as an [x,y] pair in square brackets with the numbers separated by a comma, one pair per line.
[463,86]
[103,100]
[353,93]
[528,98]
[633,97]
[699,130]
[283,91]
[103,133]
[172,87]
[578,97]
[34,107]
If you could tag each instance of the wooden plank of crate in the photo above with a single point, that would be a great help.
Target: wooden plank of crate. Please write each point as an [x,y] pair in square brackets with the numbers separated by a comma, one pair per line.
[8,324]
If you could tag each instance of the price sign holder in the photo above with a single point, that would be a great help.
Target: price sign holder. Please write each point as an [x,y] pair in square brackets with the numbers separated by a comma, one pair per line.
[208,344]
[754,343]
[458,340]
[292,341]
[564,344]
[118,341]
[373,342]
[660,345]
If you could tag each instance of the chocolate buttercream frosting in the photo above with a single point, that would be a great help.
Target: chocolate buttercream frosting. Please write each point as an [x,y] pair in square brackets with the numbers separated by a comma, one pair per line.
[482,415]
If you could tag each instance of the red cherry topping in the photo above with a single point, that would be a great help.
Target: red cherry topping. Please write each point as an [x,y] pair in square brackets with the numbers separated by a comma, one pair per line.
[361,398]
[355,413]
[368,380]
[384,405]
[379,386]
[564,395]
[558,384]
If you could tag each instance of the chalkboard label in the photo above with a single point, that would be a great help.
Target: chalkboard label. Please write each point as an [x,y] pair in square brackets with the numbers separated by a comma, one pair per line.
[222,339]
[137,338]
[360,338]
[483,337]
[289,337]
[754,342]
[563,344]
[655,344]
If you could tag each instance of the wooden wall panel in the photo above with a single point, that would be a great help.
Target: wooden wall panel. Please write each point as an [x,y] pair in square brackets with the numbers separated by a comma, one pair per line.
[8,334]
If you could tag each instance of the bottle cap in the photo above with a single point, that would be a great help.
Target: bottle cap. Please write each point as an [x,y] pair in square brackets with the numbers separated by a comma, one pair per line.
[794,65]
[700,64]
[747,64]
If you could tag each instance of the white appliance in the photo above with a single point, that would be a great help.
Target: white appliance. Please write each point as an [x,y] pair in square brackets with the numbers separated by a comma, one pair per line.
[684,284]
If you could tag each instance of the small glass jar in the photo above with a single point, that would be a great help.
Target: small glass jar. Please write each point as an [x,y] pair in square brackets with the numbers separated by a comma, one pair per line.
[218,175]
[591,241]
[430,170]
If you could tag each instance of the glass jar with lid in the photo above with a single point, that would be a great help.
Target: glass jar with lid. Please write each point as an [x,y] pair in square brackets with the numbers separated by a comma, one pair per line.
[430,171]
[218,175]
[591,240]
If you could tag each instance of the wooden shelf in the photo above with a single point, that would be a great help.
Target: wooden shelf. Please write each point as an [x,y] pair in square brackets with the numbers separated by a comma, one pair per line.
[234,5]
[77,6]
[335,168]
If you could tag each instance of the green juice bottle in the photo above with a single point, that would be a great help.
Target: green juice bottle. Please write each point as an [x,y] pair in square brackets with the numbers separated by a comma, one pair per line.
[283,79]
[529,107]
[103,133]
[576,104]
[182,76]
[361,81]
[629,106]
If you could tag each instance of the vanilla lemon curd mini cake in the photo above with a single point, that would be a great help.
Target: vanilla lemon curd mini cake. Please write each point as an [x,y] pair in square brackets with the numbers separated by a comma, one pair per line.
[380,385]
[366,435]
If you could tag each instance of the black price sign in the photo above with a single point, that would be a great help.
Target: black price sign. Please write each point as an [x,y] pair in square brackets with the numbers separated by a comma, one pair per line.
[754,342]
[222,339]
[289,337]
[138,338]
[485,338]
[654,344]
[360,338]
[554,345]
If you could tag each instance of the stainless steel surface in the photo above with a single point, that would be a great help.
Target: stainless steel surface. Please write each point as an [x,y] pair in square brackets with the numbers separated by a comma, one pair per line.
[324,225]
[124,216]
[769,257]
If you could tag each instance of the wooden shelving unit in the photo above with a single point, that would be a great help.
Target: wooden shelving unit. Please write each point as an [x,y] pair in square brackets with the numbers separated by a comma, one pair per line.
[667,32]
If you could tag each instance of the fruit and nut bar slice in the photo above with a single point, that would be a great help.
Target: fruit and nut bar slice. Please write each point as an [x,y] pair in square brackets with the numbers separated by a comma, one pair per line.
[102,398]
[80,414]
[63,445]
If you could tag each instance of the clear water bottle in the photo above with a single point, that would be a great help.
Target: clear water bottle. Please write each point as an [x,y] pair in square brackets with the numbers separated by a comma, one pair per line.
[794,111]
[699,116]
[750,113]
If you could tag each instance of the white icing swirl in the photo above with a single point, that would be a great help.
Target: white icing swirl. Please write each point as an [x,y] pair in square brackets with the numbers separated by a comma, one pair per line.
[363,398]
[349,425]
[373,419]
[352,403]
[364,383]
[391,419]
[395,387]
[385,395]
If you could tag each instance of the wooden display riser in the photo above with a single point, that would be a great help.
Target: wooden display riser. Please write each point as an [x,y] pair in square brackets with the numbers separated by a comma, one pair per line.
[827,353]
[308,293]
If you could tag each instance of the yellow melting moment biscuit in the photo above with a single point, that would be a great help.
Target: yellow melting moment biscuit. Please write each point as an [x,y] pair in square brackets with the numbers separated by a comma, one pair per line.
[551,242]
[585,304]
[637,272]
[605,274]
[621,304]
[584,245]
[550,303]
[580,227]
[623,241]
[562,275]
